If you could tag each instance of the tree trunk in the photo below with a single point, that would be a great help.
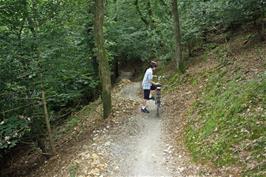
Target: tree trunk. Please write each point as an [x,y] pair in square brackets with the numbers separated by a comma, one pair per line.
[33,26]
[262,34]
[150,12]
[104,68]
[47,122]
[261,22]
[189,45]
[142,17]
[178,51]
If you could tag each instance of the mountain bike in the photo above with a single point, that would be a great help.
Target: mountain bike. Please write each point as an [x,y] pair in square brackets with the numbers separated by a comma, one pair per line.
[158,99]
[158,96]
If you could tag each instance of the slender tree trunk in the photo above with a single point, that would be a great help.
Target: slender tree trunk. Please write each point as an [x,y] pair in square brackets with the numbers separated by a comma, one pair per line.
[142,17]
[47,122]
[150,12]
[189,45]
[116,10]
[178,51]
[104,68]
[262,36]
[261,22]
[33,25]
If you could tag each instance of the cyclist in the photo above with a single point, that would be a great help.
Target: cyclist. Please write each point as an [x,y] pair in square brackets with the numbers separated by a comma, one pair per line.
[148,85]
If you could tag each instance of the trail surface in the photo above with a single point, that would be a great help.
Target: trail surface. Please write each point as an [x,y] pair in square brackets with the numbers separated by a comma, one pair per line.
[138,148]
[141,147]
[136,144]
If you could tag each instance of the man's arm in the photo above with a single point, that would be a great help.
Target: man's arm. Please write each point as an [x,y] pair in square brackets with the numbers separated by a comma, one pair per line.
[150,76]
[154,83]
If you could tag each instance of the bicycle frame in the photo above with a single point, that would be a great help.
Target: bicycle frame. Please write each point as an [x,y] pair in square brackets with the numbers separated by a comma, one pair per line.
[158,100]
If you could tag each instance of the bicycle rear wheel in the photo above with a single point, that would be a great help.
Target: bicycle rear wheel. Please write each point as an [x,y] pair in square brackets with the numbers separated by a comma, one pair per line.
[158,109]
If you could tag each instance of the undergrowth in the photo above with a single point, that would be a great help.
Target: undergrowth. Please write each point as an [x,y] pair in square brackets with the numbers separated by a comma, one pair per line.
[75,120]
[229,126]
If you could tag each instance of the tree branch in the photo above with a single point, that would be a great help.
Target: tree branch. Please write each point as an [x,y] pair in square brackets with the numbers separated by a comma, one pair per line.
[140,13]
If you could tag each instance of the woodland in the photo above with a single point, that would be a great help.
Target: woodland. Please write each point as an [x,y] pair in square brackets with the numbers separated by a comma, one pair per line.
[56,56]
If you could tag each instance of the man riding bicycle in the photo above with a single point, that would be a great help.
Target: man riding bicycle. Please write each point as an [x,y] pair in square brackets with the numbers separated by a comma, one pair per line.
[148,85]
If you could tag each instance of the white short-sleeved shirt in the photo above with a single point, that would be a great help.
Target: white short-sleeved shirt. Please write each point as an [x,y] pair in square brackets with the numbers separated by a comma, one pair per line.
[146,84]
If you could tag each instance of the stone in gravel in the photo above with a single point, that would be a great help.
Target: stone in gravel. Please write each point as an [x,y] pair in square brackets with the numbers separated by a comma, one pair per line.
[116,168]
[95,156]
[84,147]
[95,172]
[85,155]
[181,169]
[167,151]
[108,143]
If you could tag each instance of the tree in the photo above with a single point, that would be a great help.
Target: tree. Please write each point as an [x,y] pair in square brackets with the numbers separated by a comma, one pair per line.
[104,68]
[33,62]
[33,25]
[178,51]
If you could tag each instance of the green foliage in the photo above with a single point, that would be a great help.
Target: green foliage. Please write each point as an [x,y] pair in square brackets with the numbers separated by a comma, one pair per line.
[44,45]
[72,122]
[173,81]
[11,130]
[229,128]
[145,30]
[131,37]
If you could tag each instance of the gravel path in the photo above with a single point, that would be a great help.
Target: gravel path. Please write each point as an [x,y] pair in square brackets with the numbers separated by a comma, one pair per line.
[137,148]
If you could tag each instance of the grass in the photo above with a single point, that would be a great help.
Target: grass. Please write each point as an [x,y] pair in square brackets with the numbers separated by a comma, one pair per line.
[227,122]
[72,122]
[73,169]
[230,124]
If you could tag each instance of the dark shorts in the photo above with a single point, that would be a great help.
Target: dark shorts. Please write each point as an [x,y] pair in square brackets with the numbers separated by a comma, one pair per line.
[147,92]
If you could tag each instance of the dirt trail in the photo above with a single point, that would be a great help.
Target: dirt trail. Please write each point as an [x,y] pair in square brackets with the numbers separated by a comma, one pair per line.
[141,147]
[138,145]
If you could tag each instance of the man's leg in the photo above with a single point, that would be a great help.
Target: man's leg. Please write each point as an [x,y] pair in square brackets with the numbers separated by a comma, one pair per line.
[145,98]
[144,103]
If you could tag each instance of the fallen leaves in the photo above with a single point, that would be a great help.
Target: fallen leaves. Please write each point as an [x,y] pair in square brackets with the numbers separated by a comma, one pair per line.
[89,164]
